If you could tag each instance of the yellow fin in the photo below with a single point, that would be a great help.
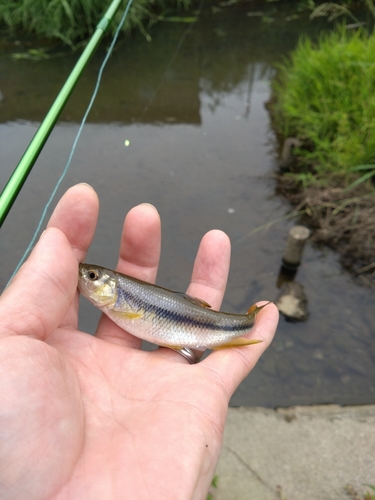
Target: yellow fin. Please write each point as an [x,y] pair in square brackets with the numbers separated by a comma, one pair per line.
[195,300]
[173,347]
[201,302]
[254,309]
[129,314]
[237,342]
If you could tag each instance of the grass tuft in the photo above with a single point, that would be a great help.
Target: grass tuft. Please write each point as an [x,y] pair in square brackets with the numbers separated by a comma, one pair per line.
[75,20]
[324,95]
[353,494]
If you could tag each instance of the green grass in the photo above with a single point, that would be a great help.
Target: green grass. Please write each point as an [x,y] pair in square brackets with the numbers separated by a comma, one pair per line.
[74,20]
[334,10]
[353,494]
[214,483]
[324,95]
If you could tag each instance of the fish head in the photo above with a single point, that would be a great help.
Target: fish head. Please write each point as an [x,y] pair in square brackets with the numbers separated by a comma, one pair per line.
[97,284]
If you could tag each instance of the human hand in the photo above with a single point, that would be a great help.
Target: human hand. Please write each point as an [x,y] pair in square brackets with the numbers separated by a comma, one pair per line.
[94,417]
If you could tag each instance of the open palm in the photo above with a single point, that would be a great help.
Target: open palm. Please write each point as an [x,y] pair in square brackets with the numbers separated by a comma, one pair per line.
[86,417]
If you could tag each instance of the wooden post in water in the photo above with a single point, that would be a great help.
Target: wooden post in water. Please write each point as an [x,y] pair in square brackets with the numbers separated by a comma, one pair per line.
[292,300]
[295,245]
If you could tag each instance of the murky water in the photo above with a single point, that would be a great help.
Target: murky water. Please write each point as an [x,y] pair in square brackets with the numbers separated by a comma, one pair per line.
[191,105]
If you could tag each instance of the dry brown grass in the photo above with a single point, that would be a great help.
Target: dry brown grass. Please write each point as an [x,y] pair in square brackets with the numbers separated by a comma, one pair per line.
[343,220]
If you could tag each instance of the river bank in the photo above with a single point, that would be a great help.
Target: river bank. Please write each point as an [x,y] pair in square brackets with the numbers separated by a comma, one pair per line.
[344,220]
[321,109]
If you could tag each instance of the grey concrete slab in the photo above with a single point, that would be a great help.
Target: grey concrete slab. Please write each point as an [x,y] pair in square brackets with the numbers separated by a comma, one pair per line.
[300,453]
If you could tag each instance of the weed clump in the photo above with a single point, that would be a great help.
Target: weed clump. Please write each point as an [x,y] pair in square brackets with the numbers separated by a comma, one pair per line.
[325,96]
[74,20]
[324,104]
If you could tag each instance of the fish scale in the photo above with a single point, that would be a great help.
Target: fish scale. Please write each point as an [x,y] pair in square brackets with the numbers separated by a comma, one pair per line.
[161,316]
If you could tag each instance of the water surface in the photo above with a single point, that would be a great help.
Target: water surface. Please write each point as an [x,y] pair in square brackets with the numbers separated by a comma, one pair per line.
[191,103]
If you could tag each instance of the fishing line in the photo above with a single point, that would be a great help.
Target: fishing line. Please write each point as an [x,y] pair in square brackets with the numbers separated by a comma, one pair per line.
[172,60]
[93,97]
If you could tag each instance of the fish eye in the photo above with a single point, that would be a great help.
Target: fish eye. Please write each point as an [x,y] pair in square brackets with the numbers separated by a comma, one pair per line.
[93,274]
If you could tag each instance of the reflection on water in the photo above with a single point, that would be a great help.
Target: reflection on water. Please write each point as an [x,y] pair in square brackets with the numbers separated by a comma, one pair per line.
[201,149]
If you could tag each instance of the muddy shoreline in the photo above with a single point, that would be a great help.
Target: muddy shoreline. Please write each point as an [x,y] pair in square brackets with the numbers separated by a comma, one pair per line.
[343,220]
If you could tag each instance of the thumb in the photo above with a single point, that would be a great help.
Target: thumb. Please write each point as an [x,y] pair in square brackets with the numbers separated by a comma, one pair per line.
[39,295]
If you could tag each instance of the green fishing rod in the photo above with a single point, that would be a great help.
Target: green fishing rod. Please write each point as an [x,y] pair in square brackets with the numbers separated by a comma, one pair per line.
[19,176]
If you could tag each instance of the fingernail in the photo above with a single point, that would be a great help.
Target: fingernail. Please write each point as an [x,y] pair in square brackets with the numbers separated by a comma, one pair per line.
[84,184]
[149,205]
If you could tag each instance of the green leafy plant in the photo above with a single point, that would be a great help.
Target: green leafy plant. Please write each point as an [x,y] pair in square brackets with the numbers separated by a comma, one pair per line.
[363,178]
[370,496]
[75,20]
[334,10]
[214,483]
[324,96]
[353,494]
[33,54]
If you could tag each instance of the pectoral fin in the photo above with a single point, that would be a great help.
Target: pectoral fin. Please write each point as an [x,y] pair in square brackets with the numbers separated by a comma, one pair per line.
[129,314]
[237,342]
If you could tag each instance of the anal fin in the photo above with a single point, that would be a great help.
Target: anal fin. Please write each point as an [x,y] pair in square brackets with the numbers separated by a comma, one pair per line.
[237,342]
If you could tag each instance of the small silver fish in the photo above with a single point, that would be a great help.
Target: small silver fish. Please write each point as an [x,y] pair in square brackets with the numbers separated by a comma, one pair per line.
[161,316]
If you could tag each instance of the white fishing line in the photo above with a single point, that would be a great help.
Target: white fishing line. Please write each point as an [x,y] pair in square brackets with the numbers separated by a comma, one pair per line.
[93,97]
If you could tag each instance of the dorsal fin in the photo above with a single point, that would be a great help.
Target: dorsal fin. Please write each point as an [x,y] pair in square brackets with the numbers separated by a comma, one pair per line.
[195,300]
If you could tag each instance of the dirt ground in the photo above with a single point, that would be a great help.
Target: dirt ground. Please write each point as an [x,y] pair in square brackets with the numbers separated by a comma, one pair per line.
[343,220]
